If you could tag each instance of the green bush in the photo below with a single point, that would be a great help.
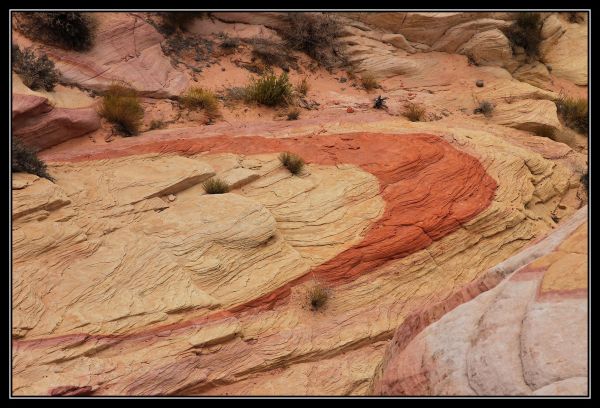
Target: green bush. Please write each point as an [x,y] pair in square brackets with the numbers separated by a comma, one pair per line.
[414,112]
[215,185]
[121,106]
[292,162]
[66,29]
[36,72]
[269,90]
[25,160]
[526,32]
[317,35]
[574,113]
[199,98]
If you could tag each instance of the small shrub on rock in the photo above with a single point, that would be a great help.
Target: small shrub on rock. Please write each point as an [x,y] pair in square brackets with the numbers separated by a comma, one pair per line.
[574,113]
[485,107]
[24,159]
[215,185]
[269,90]
[121,106]
[526,32]
[292,162]
[66,29]
[317,296]
[414,112]
[37,72]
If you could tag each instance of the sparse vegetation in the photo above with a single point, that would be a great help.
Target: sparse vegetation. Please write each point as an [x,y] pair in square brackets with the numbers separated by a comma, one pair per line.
[526,32]
[379,102]
[199,98]
[229,44]
[368,81]
[293,114]
[24,159]
[178,20]
[292,162]
[37,72]
[235,93]
[121,106]
[215,185]
[157,124]
[585,180]
[269,90]
[302,87]
[414,112]
[66,29]
[273,53]
[574,17]
[317,35]
[317,296]
[574,113]
[486,108]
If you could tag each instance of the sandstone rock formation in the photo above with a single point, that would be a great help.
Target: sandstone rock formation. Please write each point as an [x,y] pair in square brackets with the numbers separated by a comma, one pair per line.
[525,336]
[126,48]
[129,279]
[41,125]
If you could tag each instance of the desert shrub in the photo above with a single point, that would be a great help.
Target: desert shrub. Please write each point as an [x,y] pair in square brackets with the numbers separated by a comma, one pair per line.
[71,30]
[414,112]
[485,107]
[269,89]
[36,72]
[235,93]
[178,20]
[369,82]
[574,113]
[574,17]
[302,87]
[317,35]
[121,106]
[585,180]
[273,53]
[215,185]
[293,114]
[317,296]
[379,102]
[199,98]
[157,124]
[526,32]
[24,159]
[228,43]
[292,162]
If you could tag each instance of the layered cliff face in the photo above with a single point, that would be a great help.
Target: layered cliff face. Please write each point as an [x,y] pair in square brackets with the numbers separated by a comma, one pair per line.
[128,279]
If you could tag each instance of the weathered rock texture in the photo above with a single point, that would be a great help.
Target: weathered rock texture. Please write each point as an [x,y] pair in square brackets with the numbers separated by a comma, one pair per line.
[40,125]
[126,48]
[528,335]
[128,279]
